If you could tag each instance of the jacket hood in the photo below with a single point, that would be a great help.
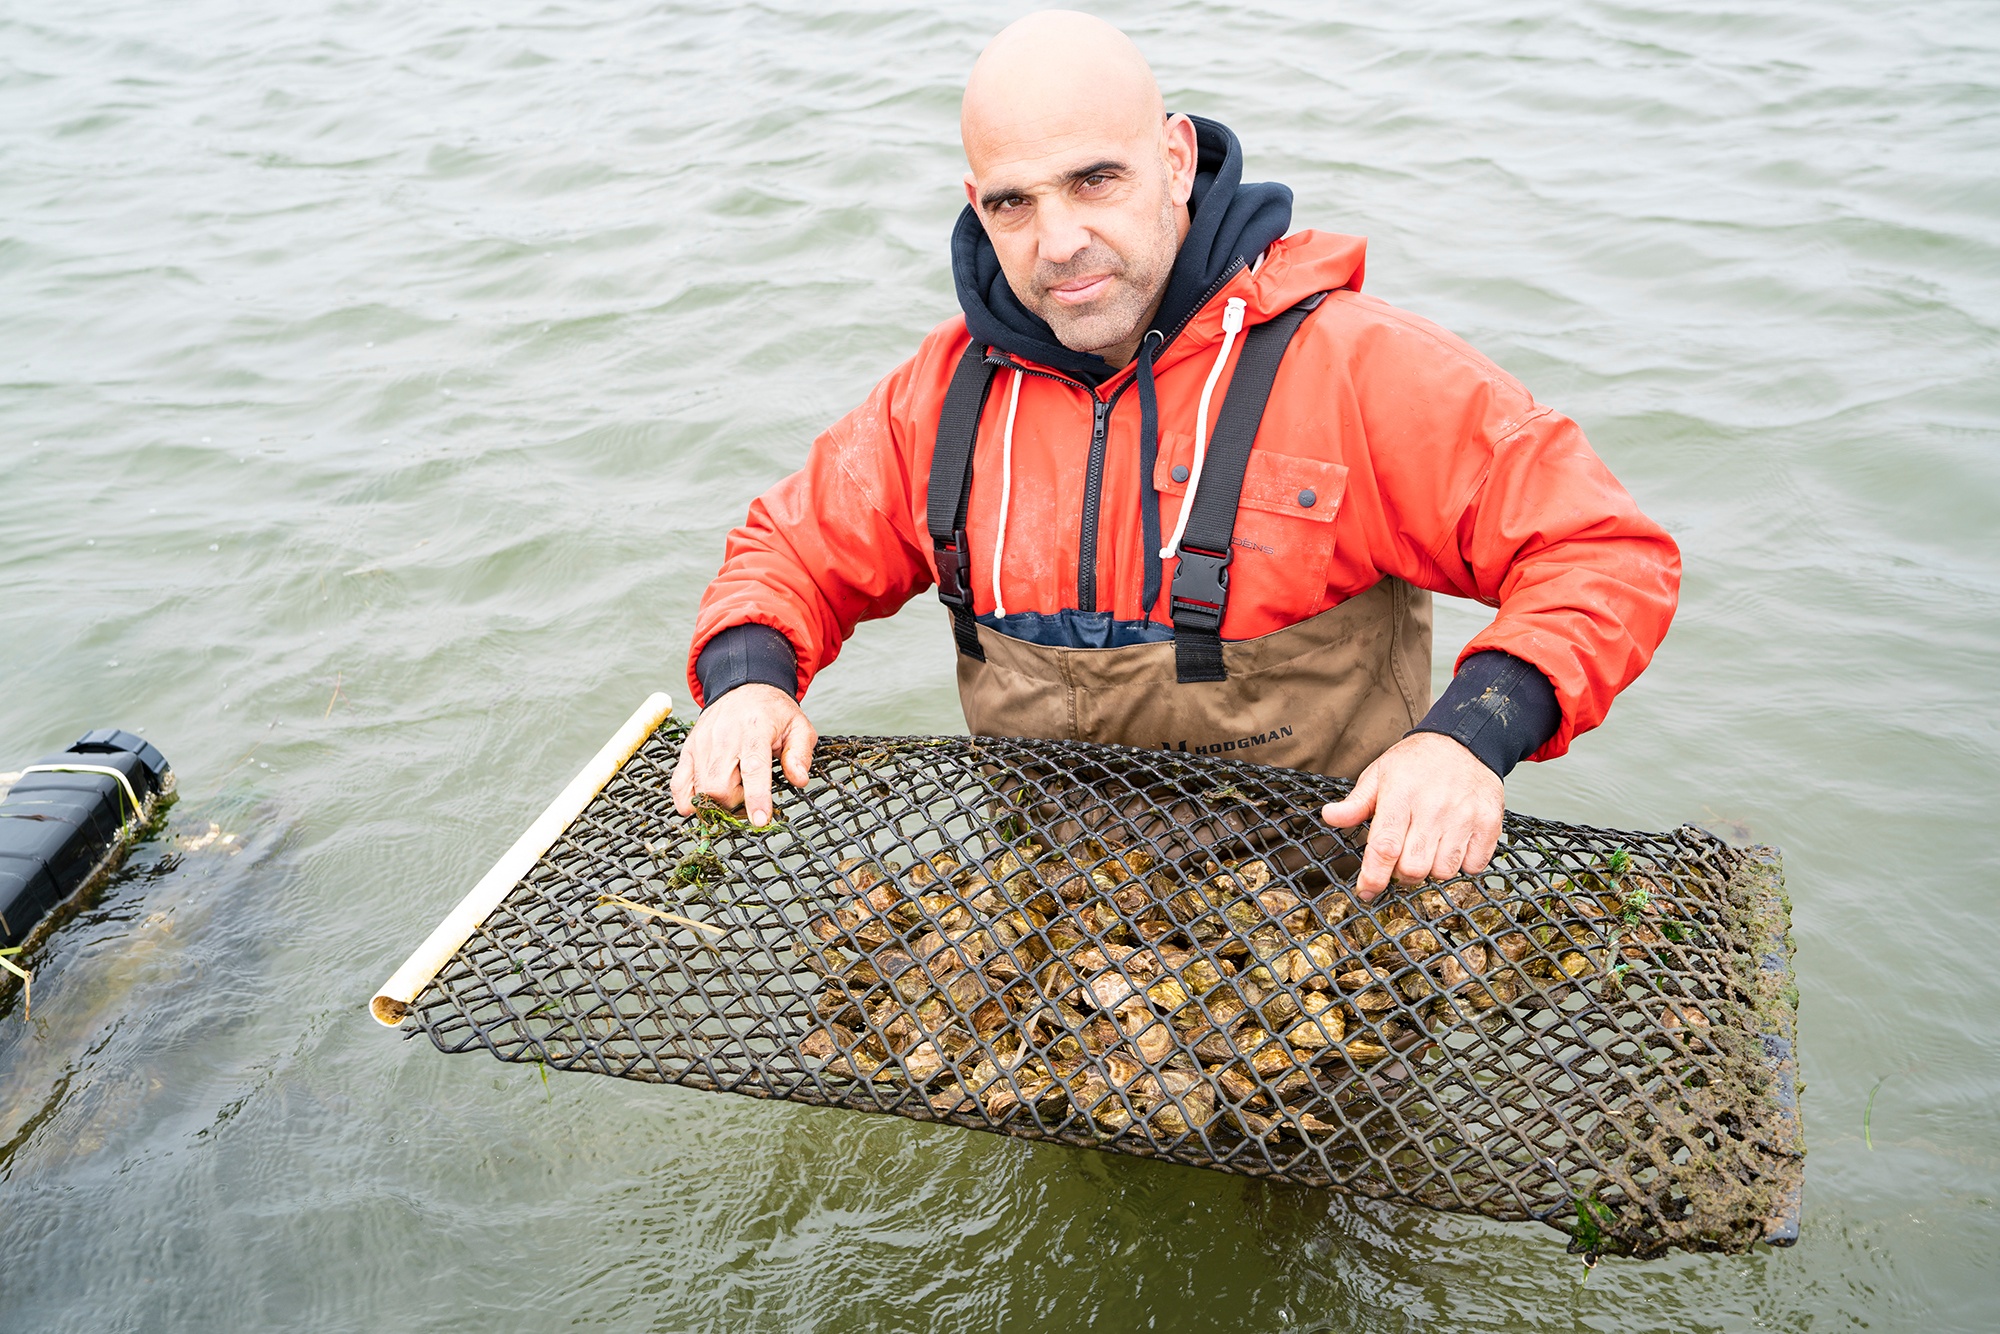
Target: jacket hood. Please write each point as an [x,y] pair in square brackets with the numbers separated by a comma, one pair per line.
[1294,268]
[1229,223]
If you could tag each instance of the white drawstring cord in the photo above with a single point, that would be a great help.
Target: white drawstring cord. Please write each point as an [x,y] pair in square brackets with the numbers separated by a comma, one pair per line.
[1006,488]
[1232,324]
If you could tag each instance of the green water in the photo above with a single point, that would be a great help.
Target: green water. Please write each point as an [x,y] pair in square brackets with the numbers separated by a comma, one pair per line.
[377,383]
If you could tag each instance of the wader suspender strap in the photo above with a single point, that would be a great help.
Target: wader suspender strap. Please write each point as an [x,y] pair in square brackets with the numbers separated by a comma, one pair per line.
[1201,577]
[951,491]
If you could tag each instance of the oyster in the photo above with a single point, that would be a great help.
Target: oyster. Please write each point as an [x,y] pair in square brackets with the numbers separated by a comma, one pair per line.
[1104,988]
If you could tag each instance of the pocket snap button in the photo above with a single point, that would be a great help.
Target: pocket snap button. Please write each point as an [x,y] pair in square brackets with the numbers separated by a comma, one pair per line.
[1306,499]
[1180,474]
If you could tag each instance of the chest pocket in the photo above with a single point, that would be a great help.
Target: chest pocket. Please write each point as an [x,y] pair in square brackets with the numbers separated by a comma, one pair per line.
[1284,538]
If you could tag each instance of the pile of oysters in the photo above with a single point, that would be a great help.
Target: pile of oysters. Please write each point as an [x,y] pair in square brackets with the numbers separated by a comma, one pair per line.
[1147,999]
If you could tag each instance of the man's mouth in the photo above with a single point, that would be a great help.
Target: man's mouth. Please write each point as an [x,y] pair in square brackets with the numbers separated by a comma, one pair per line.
[1079,290]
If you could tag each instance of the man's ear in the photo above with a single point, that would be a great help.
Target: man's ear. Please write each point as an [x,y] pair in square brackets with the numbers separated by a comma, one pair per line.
[1182,155]
[972,191]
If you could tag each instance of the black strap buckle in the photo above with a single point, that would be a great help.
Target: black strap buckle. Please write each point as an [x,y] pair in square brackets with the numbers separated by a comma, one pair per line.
[1201,589]
[954,571]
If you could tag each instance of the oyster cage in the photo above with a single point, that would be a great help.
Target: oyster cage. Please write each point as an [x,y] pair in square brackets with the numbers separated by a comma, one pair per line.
[1159,954]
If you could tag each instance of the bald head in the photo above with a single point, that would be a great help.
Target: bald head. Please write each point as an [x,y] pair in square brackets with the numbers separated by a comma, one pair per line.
[1052,74]
[1079,176]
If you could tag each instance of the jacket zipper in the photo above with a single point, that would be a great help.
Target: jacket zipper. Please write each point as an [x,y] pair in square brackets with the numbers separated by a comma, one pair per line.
[1093,497]
[1093,476]
[1235,266]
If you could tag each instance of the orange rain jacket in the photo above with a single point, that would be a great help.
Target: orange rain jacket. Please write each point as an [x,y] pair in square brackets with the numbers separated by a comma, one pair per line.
[1425,461]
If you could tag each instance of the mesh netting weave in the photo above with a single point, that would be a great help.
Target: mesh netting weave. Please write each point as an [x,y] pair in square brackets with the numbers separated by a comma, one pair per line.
[1157,953]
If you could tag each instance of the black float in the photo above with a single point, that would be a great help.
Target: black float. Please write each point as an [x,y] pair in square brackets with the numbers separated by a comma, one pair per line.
[68,819]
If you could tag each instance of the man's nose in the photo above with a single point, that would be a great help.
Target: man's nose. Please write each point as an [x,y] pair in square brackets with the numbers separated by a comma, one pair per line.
[1060,233]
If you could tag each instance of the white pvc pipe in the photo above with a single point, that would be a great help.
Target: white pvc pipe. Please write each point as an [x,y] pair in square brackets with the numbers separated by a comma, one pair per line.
[393,1001]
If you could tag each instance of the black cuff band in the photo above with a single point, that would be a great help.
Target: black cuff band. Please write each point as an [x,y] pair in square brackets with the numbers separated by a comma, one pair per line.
[1498,707]
[745,653]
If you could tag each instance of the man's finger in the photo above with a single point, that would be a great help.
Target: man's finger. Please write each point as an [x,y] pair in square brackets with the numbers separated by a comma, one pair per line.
[1385,846]
[1356,806]
[682,785]
[755,762]
[716,772]
[799,743]
[1450,857]
[1420,847]
[1479,855]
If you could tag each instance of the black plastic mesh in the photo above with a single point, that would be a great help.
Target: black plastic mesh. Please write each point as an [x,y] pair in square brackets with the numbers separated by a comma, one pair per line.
[1157,953]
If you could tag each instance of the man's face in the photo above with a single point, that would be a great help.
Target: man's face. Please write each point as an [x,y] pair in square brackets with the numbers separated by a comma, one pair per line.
[1086,223]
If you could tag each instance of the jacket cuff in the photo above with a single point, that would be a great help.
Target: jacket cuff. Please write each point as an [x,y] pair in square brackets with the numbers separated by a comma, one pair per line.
[1499,707]
[745,653]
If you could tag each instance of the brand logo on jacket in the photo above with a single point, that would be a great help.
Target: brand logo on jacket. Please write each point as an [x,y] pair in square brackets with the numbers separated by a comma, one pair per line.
[1239,743]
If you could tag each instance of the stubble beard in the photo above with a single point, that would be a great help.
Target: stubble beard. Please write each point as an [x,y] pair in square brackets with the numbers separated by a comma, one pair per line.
[1137,283]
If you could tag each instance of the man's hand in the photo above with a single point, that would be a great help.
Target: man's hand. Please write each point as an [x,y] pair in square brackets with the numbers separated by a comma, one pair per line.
[727,757]
[1436,811]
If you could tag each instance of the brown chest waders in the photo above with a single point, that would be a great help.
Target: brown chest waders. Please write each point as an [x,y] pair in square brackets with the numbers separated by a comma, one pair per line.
[1328,694]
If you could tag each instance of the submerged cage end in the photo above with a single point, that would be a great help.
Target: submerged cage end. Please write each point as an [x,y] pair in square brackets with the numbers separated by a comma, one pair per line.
[1763,877]
[1782,1227]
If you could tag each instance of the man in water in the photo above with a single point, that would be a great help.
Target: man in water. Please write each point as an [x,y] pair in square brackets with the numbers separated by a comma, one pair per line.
[1069,462]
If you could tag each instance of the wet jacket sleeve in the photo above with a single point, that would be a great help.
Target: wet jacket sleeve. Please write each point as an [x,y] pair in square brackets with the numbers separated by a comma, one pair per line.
[1586,584]
[835,543]
[1485,493]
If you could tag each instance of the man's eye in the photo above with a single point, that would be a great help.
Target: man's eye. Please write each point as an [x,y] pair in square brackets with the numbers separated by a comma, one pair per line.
[1093,182]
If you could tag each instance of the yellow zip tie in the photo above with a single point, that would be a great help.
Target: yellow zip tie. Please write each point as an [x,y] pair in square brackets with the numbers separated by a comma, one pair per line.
[715,931]
[118,774]
[27,982]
